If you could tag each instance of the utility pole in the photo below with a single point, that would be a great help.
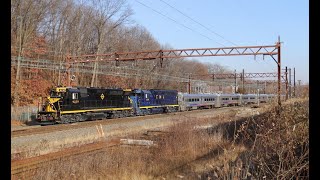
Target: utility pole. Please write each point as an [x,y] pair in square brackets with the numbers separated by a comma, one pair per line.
[294,82]
[242,75]
[289,82]
[286,83]
[235,81]
[258,94]
[17,83]
[243,81]
[189,84]
[279,71]
[299,88]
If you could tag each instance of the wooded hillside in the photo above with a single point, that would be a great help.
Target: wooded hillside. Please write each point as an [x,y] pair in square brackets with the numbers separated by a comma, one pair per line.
[49,30]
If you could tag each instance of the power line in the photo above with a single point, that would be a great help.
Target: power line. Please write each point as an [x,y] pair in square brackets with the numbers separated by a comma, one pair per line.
[127,72]
[198,23]
[178,22]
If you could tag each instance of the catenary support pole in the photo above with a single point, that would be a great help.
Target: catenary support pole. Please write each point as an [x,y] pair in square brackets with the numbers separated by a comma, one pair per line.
[294,82]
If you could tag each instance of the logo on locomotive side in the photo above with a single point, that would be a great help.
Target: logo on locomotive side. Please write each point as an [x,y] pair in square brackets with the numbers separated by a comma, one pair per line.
[102,96]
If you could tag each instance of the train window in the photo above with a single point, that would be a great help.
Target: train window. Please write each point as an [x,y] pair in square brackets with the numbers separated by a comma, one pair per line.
[235,98]
[53,93]
[115,93]
[225,98]
[74,95]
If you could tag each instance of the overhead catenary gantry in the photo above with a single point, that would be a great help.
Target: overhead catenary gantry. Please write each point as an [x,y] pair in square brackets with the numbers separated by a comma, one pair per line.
[270,50]
[241,75]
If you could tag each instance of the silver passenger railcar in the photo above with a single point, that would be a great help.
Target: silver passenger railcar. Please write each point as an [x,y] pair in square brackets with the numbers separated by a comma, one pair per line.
[204,101]
[249,99]
[197,101]
[228,100]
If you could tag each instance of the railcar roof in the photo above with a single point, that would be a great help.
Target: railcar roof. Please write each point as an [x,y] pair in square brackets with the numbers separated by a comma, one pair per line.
[199,95]
[234,95]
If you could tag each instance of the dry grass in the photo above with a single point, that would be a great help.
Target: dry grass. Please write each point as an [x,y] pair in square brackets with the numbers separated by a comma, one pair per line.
[44,146]
[278,145]
[17,123]
[182,144]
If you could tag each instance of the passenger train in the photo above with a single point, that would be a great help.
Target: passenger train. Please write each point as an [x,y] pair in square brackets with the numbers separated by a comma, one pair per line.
[75,104]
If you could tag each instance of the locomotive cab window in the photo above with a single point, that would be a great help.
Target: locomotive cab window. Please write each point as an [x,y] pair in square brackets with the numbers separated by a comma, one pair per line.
[55,94]
[74,95]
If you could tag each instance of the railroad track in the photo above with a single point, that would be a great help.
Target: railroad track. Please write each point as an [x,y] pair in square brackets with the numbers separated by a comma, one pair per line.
[63,127]
[27,165]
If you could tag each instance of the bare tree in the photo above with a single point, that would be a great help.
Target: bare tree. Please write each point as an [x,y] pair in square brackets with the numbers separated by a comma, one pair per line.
[26,15]
[109,14]
[217,68]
